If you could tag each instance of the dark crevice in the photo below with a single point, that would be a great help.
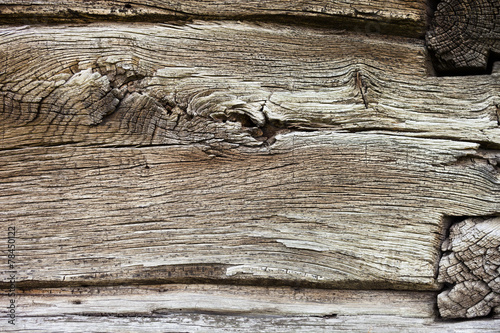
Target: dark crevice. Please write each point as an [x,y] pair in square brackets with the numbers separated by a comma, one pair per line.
[361,86]
[165,312]
[431,7]
[207,277]
[266,132]
[328,316]
[366,25]
[483,156]
[466,71]
[497,113]
[271,129]
[439,319]
[117,315]
[252,313]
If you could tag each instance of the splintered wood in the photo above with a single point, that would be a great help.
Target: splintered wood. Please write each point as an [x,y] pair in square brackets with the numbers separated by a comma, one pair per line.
[471,264]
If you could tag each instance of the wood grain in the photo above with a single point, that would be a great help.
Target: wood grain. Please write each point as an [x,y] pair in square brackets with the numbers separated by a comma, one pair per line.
[470,265]
[229,152]
[403,17]
[325,209]
[220,308]
[159,84]
[237,153]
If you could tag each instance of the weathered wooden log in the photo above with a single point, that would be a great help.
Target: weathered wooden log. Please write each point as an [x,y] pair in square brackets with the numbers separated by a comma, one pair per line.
[471,264]
[464,33]
[400,17]
[238,153]
[280,188]
[222,308]
[227,81]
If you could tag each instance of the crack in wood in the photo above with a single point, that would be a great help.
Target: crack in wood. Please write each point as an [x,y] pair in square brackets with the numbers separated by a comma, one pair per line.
[360,84]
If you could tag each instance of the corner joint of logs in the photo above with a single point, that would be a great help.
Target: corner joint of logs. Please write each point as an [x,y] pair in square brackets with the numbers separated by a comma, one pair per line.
[470,269]
[464,36]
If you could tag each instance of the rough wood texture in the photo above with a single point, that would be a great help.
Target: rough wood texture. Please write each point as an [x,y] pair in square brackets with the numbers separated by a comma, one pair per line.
[313,208]
[291,197]
[155,84]
[210,322]
[471,263]
[213,308]
[403,17]
[464,33]
[236,153]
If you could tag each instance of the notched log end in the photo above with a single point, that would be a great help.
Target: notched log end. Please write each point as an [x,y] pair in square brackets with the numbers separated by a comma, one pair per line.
[470,267]
[464,36]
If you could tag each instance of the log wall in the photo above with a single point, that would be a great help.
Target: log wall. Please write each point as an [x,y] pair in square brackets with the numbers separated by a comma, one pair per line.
[241,166]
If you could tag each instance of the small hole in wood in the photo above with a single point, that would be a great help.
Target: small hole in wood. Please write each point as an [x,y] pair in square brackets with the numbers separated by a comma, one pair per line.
[327,316]
[128,6]
[330,316]
[77,301]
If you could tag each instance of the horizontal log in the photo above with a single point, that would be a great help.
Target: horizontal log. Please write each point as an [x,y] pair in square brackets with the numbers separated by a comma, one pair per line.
[238,83]
[236,323]
[403,17]
[219,308]
[321,208]
[222,152]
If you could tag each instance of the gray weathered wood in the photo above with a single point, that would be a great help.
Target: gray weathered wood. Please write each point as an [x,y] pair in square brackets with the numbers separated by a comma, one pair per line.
[403,17]
[236,153]
[213,308]
[471,264]
[239,323]
[333,209]
[61,82]
[246,171]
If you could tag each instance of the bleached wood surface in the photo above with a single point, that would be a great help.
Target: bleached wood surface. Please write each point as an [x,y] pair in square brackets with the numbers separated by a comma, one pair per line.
[222,308]
[313,207]
[236,158]
[237,153]
[62,81]
[403,17]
